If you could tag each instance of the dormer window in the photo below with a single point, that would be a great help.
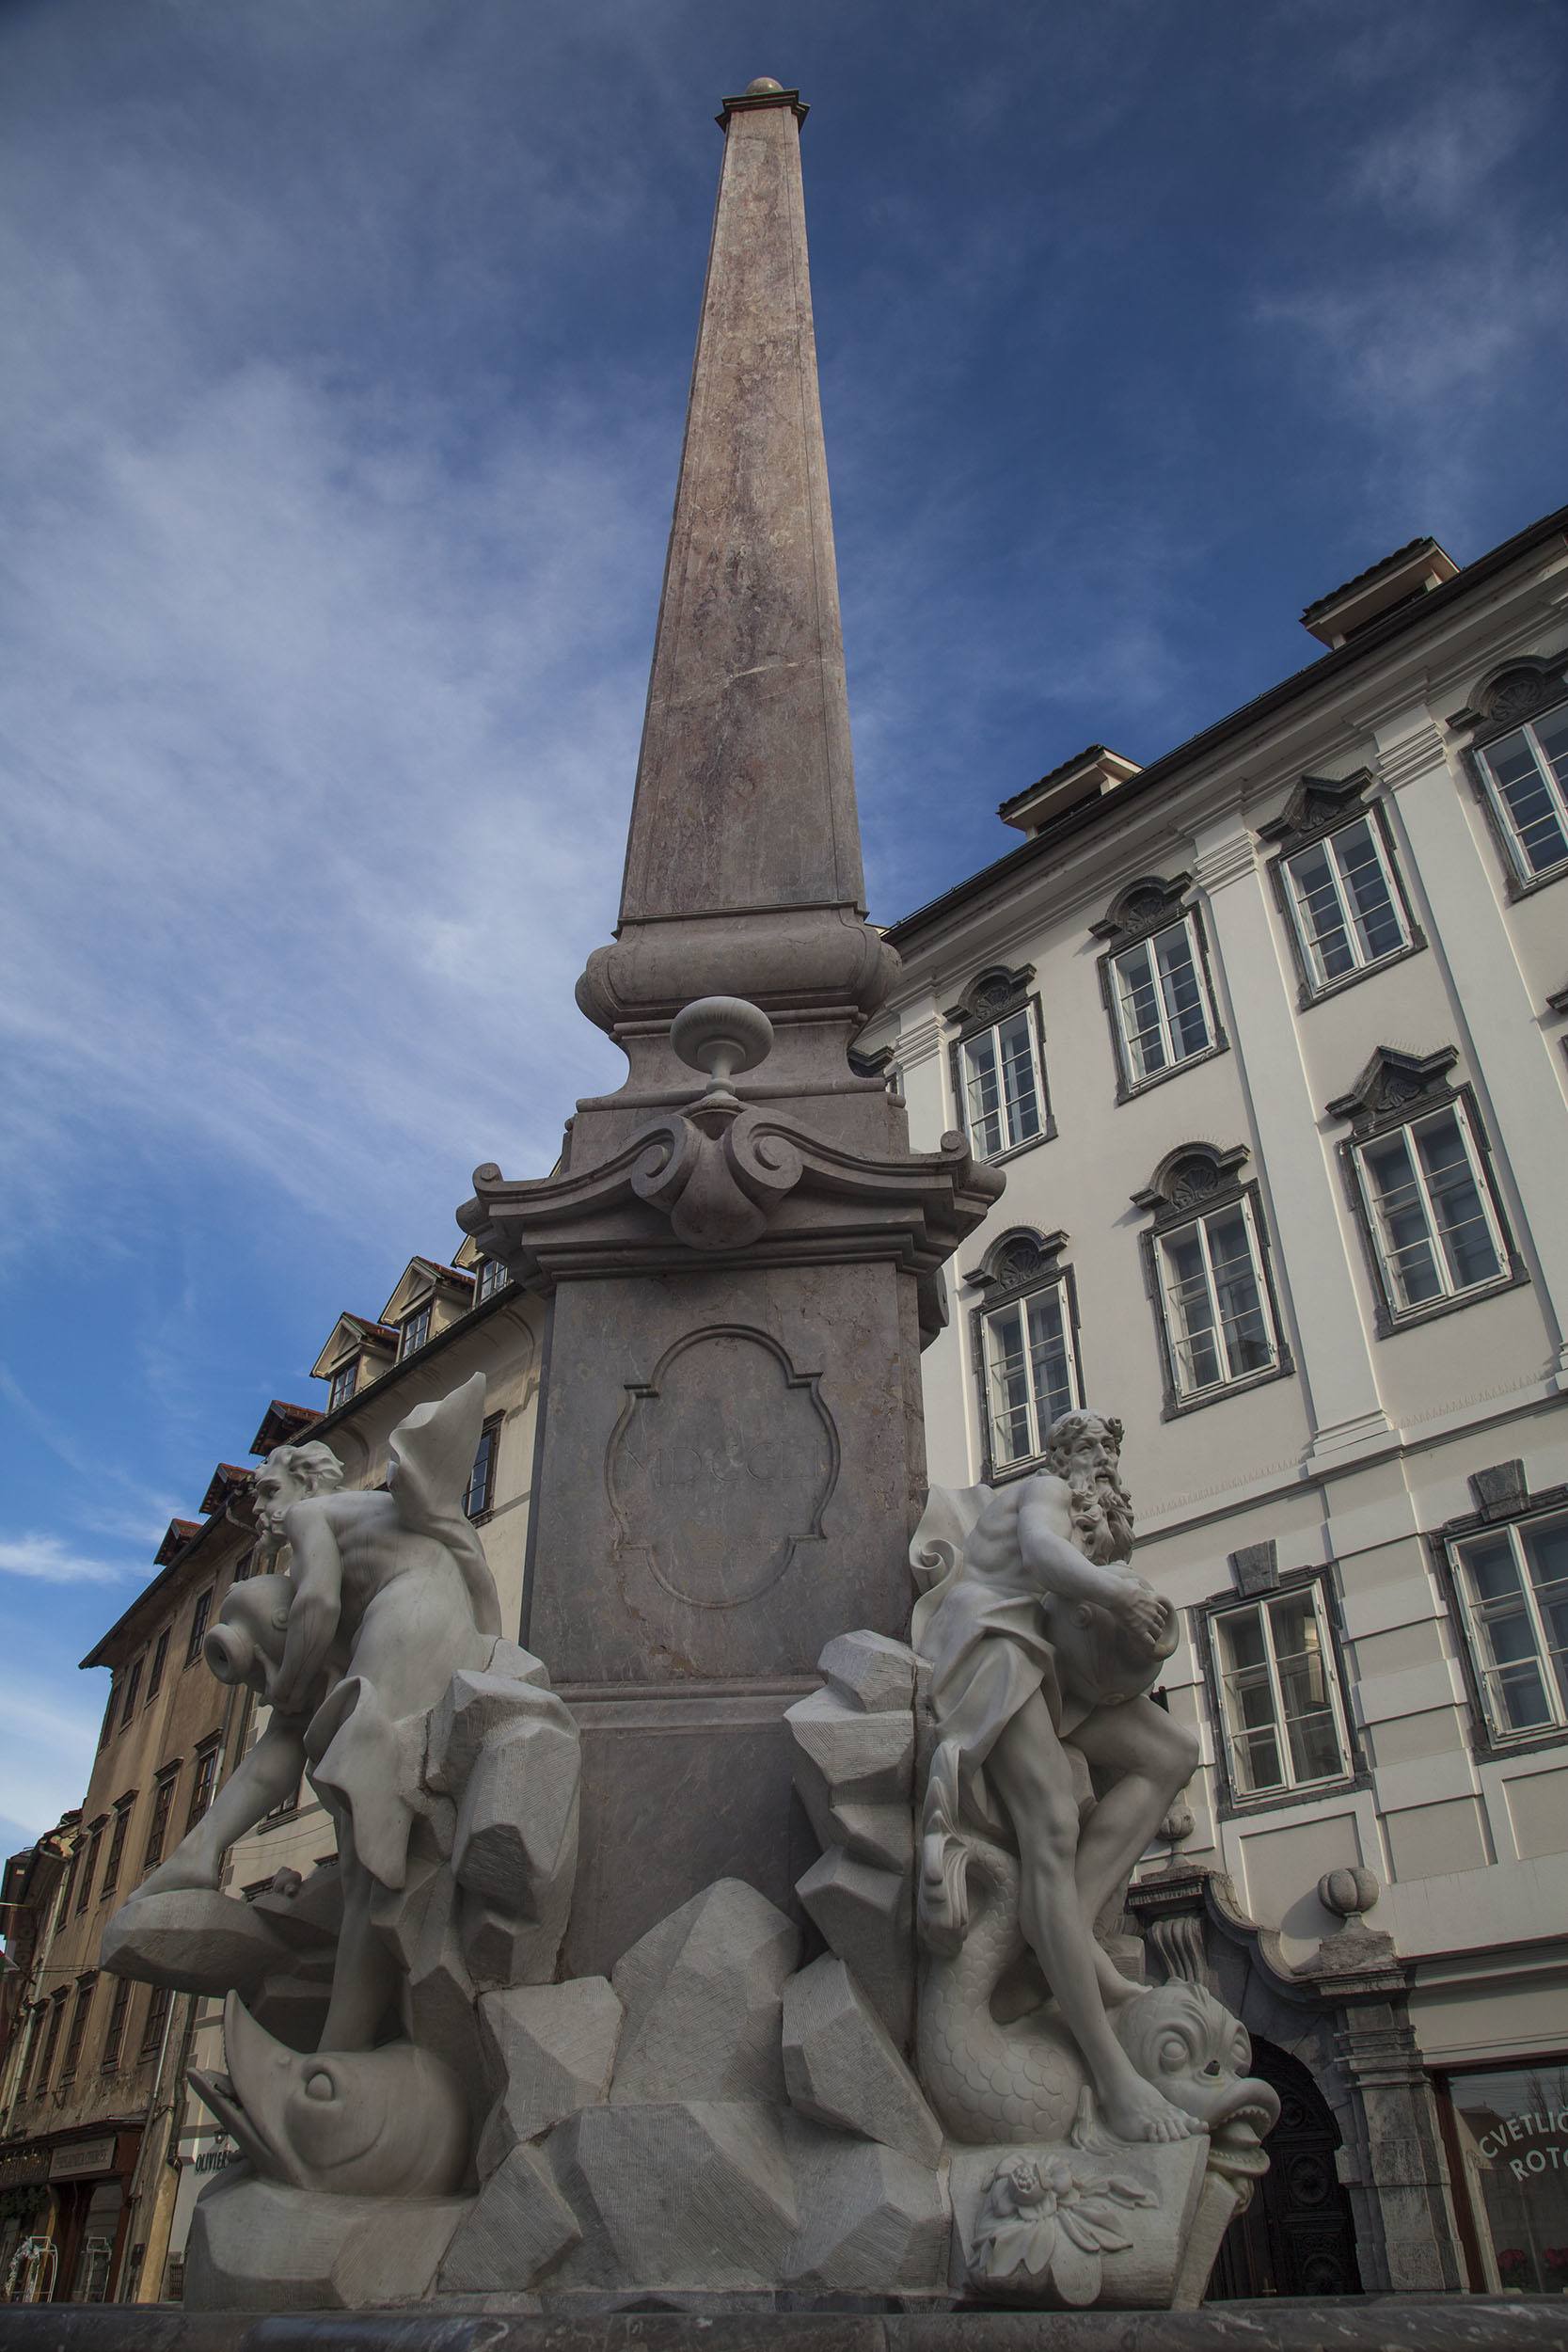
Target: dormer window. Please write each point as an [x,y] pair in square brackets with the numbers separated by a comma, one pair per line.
[414,1332]
[493,1277]
[343,1382]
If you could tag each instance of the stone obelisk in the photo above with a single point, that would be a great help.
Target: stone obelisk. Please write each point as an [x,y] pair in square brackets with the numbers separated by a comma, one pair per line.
[739,1249]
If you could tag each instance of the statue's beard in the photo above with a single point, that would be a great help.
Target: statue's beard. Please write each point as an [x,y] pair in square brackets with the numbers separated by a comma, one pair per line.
[1102,1517]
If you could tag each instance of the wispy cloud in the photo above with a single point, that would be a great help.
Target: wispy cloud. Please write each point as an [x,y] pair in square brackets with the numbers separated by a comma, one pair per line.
[52,1562]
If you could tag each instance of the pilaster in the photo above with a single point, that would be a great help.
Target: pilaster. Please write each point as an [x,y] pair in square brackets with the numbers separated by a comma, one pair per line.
[1313,1265]
[1493,1014]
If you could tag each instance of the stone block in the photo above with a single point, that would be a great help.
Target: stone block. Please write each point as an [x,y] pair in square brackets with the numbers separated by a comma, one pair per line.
[518,2228]
[293,2007]
[518,1822]
[687,2194]
[439,2006]
[703,1994]
[871,1671]
[475,1707]
[256,2246]
[866,1916]
[549,2049]
[842,2068]
[193,1939]
[499,1951]
[873,2221]
[862,1759]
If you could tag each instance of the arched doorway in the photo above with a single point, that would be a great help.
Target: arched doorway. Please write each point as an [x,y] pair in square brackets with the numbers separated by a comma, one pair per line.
[1297,2236]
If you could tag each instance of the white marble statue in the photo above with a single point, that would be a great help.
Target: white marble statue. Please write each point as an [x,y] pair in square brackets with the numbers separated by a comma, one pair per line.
[1042,1644]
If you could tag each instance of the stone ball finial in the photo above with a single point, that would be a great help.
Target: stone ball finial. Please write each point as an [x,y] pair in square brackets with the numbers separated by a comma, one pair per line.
[1349,1891]
[763,87]
[723,1036]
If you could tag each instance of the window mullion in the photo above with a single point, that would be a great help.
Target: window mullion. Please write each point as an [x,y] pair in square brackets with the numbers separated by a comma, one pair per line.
[1162,1004]
[1555,792]
[1537,1626]
[1222,1345]
[1341,900]
[1282,1728]
[1435,1237]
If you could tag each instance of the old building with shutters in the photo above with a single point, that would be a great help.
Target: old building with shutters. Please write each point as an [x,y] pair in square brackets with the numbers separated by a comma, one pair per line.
[1269,1039]
[92,2079]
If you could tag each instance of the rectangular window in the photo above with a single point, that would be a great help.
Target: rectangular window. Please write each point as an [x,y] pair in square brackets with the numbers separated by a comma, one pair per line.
[204,1784]
[89,1870]
[999,1077]
[1216,1307]
[66,1887]
[481,1478]
[156,2020]
[1031,1374]
[199,1616]
[132,1684]
[57,2020]
[1347,910]
[113,2039]
[160,1660]
[110,1711]
[493,1277]
[163,1804]
[77,2035]
[414,1332]
[342,1384]
[1528,773]
[1161,1007]
[1436,1231]
[1514,1589]
[117,1846]
[1279,1697]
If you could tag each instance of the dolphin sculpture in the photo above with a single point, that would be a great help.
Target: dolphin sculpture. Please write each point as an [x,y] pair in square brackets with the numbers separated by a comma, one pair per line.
[386,2122]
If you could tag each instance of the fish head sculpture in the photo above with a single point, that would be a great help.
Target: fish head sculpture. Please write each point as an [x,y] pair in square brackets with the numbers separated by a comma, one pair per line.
[1187,2044]
[386,2122]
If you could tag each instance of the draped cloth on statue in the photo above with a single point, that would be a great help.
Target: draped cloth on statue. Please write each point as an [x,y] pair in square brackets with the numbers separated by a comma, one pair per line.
[363,1758]
[432,1459]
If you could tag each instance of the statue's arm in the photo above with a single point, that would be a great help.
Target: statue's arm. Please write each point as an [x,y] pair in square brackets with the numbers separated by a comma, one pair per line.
[316,1573]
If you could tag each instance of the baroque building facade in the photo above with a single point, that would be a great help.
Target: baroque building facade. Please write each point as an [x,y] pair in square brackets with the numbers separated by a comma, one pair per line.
[1269,1037]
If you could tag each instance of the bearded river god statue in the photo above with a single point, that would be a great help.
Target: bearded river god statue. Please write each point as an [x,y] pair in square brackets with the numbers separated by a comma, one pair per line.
[957,2096]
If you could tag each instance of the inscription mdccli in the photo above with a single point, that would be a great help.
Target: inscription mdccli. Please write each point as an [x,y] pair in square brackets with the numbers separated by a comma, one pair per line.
[721,1466]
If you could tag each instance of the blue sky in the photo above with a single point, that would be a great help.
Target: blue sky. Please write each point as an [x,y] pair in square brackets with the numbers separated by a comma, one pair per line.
[346,354]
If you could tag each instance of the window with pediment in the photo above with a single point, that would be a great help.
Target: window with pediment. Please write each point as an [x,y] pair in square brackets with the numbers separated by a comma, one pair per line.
[1154,979]
[1518,762]
[999,1065]
[1418,1166]
[1207,1267]
[1026,1345]
[1337,884]
[1505,1567]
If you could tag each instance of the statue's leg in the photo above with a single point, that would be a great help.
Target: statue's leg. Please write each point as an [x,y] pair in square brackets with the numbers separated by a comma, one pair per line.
[268,1774]
[1152,1759]
[1032,1775]
[364,1980]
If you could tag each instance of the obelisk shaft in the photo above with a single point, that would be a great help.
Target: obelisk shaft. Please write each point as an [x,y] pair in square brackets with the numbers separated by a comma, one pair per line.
[745,786]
